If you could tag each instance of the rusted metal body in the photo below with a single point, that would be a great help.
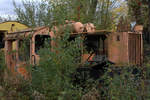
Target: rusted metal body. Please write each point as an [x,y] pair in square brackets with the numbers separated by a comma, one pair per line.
[13,60]
[125,48]
[135,45]
[17,65]
[118,47]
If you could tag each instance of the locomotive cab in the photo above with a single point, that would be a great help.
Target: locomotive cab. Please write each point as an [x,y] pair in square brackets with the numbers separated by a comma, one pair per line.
[94,46]
[25,52]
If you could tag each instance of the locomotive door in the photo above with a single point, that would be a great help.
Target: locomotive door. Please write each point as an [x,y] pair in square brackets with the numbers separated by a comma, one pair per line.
[135,49]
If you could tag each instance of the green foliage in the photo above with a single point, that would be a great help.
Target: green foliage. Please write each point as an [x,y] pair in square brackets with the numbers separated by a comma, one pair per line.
[2,64]
[24,49]
[2,59]
[127,83]
[52,77]
[139,11]
[11,86]
[103,13]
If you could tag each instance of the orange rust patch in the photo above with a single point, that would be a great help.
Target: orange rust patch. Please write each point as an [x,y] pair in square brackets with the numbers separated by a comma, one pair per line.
[23,72]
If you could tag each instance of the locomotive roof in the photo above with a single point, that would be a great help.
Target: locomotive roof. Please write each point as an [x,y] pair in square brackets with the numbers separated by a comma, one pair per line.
[24,33]
[31,31]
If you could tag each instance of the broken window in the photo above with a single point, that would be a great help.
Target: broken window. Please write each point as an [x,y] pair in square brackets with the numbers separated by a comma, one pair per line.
[24,50]
[2,40]
[41,41]
[94,44]
[71,39]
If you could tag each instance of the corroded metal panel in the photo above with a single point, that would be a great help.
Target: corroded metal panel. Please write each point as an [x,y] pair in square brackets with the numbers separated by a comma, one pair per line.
[118,47]
[126,48]
[135,49]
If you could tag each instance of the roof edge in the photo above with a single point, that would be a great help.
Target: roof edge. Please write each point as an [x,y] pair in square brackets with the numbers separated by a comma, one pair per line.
[14,21]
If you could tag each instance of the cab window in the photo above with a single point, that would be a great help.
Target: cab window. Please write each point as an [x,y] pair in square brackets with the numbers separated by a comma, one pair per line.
[24,50]
[41,41]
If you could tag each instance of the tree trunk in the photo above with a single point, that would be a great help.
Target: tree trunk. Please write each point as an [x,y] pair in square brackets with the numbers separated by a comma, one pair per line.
[94,5]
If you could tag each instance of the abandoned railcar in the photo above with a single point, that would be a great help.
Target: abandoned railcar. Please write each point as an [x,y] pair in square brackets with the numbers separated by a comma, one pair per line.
[118,47]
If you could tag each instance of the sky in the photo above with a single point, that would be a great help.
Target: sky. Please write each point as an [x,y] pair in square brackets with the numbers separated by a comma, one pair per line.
[7,9]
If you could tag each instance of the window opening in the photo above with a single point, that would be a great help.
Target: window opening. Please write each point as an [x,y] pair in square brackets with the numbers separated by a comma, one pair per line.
[2,43]
[118,38]
[41,42]
[93,44]
[24,50]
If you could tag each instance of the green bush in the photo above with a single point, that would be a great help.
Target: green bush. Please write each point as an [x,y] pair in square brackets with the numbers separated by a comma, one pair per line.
[52,77]
[128,83]
[2,64]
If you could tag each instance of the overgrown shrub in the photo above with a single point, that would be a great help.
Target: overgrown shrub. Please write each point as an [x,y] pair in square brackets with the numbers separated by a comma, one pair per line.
[2,64]
[127,83]
[52,77]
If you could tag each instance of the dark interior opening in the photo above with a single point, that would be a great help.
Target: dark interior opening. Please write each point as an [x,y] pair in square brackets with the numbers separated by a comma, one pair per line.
[118,38]
[2,43]
[71,38]
[94,44]
[24,50]
[41,42]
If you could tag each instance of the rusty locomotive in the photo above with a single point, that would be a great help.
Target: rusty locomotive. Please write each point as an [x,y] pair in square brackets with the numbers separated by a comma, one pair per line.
[121,48]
